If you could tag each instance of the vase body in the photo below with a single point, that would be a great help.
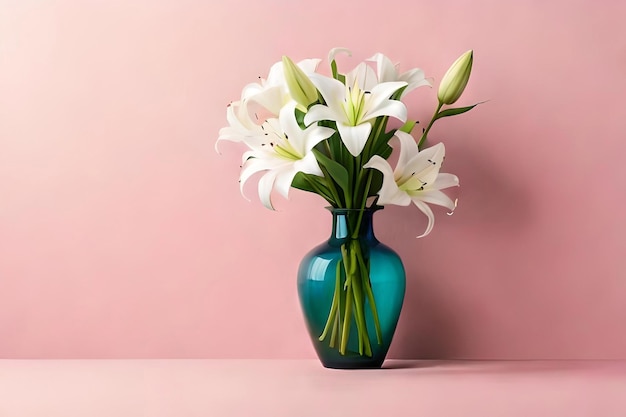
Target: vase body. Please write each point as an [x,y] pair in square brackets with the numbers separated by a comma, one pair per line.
[351,290]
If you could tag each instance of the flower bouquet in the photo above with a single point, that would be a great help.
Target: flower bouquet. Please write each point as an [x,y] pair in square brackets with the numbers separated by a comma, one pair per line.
[329,135]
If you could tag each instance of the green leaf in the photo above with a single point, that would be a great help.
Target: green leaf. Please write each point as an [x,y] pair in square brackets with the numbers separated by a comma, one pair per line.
[301,183]
[383,144]
[386,152]
[335,144]
[304,182]
[408,126]
[454,112]
[338,172]
[377,182]
[398,93]
[333,68]
[300,118]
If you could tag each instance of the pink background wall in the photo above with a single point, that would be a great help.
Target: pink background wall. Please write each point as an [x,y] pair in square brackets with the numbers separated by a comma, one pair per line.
[123,234]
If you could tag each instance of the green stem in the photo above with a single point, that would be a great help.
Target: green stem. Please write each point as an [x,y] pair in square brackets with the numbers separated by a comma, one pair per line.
[432,121]
[379,127]
[364,341]
[327,146]
[357,227]
[333,336]
[349,267]
[356,284]
[347,319]
[358,167]
[367,285]
[325,195]
[335,305]
[331,186]
[337,324]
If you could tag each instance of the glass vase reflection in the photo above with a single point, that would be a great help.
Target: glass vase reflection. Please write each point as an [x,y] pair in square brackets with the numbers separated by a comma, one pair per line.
[351,290]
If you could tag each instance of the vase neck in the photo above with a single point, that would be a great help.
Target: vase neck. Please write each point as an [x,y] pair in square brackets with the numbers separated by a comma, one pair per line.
[352,224]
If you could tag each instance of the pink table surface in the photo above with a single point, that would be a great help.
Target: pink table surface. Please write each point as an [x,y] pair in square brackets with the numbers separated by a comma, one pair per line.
[301,388]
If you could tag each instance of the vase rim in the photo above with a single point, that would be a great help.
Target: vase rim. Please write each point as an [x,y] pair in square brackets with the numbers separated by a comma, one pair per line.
[341,210]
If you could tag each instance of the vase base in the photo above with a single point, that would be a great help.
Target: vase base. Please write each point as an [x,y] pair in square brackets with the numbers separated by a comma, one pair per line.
[357,364]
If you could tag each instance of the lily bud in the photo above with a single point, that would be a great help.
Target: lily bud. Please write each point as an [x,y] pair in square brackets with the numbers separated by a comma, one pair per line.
[300,86]
[455,80]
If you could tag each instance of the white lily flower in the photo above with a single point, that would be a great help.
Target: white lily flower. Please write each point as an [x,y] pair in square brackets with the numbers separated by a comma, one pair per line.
[272,93]
[352,108]
[363,76]
[388,71]
[416,178]
[285,151]
[241,127]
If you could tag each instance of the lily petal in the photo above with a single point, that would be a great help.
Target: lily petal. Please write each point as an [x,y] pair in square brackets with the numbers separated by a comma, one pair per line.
[415,78]
[283,182]
[389,192]
[241,128]
[332,90]
[392,108]
[362,76]
[388,71]
[250,90]
[251,167]
[383,91]
[408,150]
[429,213]
[319,112]
[314,135]
[445,180]
[276,75]
[288,122]
[266,183]
[286,174]
[425,165]
[308,165]
[385,68]
[311,136]
[435,197]
[335,51]
[354,137]
[309,66]
[271,99]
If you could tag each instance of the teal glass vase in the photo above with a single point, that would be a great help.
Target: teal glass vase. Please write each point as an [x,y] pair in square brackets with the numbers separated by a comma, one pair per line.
[351,290]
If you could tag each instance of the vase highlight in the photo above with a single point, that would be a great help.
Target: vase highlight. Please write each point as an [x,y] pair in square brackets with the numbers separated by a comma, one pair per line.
[351,291]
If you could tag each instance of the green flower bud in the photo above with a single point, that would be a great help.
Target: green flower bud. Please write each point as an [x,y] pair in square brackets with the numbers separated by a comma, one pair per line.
[455,80]
[300,86]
